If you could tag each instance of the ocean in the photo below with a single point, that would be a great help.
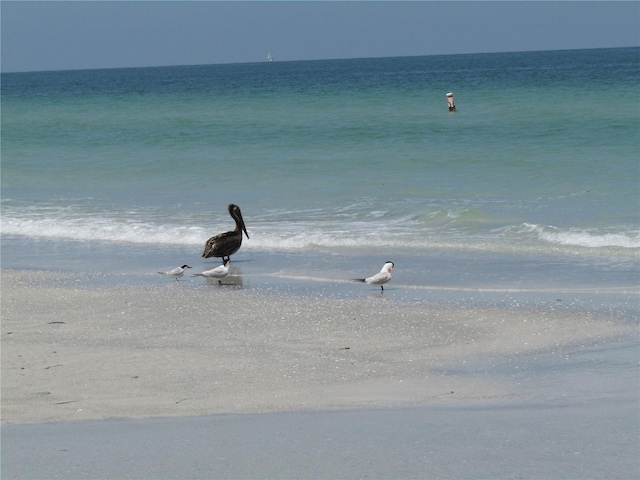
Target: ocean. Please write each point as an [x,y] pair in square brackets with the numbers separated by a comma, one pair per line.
[531,185]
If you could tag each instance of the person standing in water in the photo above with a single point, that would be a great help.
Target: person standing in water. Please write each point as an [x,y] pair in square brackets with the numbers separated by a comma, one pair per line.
[452,104]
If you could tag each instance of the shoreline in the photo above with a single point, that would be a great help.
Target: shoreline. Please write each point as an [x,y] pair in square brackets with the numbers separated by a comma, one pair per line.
[95,352]
[495,440]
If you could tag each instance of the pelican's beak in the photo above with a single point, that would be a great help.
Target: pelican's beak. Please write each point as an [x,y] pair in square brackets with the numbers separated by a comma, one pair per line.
[244,229]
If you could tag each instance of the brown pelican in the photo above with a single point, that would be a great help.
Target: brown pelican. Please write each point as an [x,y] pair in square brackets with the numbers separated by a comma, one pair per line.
[380,278]
[227,243]
[176,272]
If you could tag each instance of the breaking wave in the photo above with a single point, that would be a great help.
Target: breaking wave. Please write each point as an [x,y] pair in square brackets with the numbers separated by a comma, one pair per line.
[298,233]
[583,237]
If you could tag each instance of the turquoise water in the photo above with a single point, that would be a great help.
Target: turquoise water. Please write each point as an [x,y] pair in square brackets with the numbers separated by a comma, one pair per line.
[535,176]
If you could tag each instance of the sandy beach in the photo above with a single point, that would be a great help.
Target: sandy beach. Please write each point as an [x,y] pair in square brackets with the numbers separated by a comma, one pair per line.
[77,353]
[198,381]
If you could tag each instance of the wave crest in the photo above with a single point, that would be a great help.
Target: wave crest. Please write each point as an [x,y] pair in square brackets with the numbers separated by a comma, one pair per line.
[581,237]
[322,233]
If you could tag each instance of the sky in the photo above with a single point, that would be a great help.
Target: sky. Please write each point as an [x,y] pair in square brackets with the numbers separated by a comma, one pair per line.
[69,35]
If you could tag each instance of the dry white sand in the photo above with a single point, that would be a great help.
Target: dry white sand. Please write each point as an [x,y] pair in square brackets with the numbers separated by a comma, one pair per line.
[72,353]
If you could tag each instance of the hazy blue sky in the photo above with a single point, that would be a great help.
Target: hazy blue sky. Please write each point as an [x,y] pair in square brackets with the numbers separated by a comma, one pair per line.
[58,35]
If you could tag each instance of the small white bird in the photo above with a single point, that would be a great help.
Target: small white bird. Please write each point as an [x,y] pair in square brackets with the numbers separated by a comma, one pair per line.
[176,272]
[380,278]
[217,273]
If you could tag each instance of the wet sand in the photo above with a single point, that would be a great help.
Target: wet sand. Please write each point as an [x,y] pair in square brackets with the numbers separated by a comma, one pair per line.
[496,440]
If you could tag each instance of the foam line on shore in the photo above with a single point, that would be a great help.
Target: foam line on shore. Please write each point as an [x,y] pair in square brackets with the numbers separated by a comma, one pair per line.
[628,290]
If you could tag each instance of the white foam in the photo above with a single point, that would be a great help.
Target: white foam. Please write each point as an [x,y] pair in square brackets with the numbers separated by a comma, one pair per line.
[300,235]
[583,238]
[98,229]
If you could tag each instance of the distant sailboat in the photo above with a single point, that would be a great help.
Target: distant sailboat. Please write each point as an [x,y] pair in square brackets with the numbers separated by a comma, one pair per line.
[269,57]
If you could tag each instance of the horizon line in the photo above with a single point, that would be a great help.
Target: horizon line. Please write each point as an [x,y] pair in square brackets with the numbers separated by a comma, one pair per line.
[2,71]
